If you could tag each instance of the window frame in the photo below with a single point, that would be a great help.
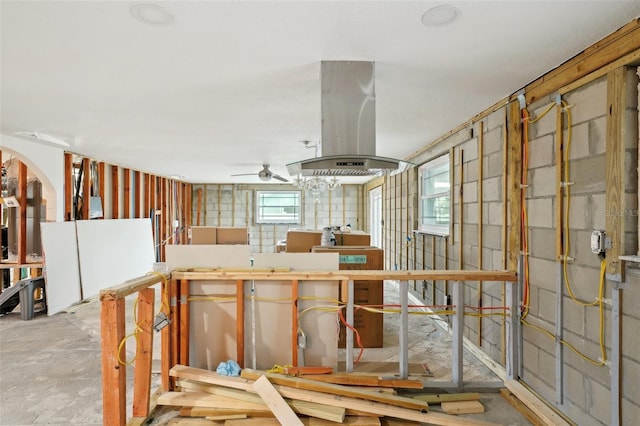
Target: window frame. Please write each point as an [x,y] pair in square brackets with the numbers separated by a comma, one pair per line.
[434,229]
[259,220]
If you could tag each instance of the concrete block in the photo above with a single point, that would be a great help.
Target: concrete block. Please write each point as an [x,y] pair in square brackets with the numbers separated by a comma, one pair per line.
[533,303]
[541,151]
[631,170]
[630,412]
[574,386]
[495,120]
[632,88]
[493,141]
[545,125]
[492,237]
[630,382]
[542,181]
[574,317]
[493,164]
[470,234]
[588,102]
[470,149]
[542,273]
[544,390]
[630,304]
[471,171]
[580,212]
[584,281]
[543,243]
[547,305]
[630,335]
[494,215]
[487,259]
[600,403]
[598,136]
[581,243]
[588,175]
[579,140]
[470,192]
[546,372]
[598,211]
[497,259]
[471,213]
[492,189]
[540,212]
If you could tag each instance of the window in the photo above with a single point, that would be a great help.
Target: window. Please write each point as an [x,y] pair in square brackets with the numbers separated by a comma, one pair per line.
[435,199]
[278,207]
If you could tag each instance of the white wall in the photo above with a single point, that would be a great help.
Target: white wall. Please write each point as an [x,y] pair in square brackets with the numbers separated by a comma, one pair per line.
[47,163]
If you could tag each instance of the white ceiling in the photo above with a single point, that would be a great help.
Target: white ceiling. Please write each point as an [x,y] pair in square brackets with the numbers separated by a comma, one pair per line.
[229,85]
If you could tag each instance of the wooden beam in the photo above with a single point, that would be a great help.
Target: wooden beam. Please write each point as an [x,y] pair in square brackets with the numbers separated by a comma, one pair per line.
[199,206]
[351,379]
[144,354]
[130,287]
[101,186]
[240,322]
[68,187]
[205,412]
[205,400]
[115,192]
[184,322]
[447,397]
[126,208]
[301,383]
[22,212]
[514,179]
[112,331]
[174,316]
[549,416]
[86,188]
[166,360]
[618,44]
[505,233]
[615,179]
[463,407]
[275,402]
[521,408]
[294,322]
[461,208]
[137,187]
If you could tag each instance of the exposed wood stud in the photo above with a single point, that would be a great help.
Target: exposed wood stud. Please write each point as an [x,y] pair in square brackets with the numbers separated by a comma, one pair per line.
[559,201]
[240,322]
[505,234]
[514,180]
[86,187]
[166,360]
[144,354]
[199,207]
[115,190]
[21,193]
[480,218]
[219,205]
[112,331]
[233,205]
[294,322]
[126,205]
[137,187]
[461,208]
[68,187]
[102,186]
[184,322]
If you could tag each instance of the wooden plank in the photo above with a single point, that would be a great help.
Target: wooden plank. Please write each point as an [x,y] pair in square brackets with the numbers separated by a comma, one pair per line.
[115,191]
[112,331]
[615,179]
[505,234]
[306,371]
[177,421]
[300,383]
[206,376]
[447,397]
[227,417]
[294,324]
[388,421]
[21,193]
[199,207]
[205,400]
[373,407]
[351,420]
[522,409]
[462,407]
[559,201]
[514,181]
[165,340]
[364,275]
[461,209]
[129,287]
[184,322]
[252,422]
[275,402]
[207,412]
[240,322]
[101,186]
[351,379]
[144,354]
[618,44]
[137,186]
[126,207]
[86,187]
[548,415]
[174,317]
[68,187]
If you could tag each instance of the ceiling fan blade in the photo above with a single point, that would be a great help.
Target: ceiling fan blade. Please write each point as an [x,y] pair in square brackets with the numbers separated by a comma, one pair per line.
[278,177]
[246,174]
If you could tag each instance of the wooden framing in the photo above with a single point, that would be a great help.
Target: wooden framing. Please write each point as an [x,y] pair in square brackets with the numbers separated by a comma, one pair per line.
[113,374]
[480,184]
[514,180]
[615,179]
[115,192]
[101,186]
[240,323]
[144,355]
[126,188]
[137,187]
[86,187]
[184,322]
[22,212]
[68,187]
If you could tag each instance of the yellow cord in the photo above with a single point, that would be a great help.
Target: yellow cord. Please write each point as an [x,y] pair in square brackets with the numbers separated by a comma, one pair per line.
[134,334]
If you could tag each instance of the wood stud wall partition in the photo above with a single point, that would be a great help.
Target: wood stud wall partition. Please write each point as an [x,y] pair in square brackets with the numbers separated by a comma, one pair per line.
[141,194]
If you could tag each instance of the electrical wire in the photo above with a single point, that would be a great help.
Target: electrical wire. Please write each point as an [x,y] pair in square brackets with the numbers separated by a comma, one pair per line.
[137,330]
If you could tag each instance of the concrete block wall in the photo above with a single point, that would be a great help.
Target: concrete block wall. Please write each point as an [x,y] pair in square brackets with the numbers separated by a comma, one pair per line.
[232,205]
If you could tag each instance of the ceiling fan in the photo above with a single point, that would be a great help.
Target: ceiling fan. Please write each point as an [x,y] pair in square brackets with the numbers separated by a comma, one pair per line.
[265,174]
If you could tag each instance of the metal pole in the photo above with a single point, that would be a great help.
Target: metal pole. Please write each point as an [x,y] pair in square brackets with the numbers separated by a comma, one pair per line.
[458,333]
[559,335]
[404,330]
[348,331]
[512,325]
[616,299]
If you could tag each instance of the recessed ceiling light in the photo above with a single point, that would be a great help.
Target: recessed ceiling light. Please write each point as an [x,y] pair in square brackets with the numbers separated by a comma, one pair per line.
[440,15]
[152,14]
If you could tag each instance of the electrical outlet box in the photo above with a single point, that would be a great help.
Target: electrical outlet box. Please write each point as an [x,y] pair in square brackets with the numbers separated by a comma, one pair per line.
[598,242]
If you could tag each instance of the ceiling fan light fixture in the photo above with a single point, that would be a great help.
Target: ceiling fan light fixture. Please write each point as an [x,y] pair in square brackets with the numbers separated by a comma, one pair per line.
[151,14]
[440,15]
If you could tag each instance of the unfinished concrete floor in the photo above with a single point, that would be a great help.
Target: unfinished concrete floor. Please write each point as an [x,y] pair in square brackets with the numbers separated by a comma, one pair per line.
[50,366]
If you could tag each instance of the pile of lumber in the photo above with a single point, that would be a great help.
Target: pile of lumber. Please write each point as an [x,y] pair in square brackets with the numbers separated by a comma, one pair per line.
[261,398]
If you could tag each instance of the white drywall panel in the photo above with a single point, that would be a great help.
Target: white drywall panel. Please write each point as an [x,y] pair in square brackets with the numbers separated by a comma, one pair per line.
[62,275]
[207,256]
[273,317]
[112,252]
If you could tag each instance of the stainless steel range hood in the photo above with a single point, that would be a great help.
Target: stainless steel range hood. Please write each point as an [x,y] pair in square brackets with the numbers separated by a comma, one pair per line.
[348,143]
